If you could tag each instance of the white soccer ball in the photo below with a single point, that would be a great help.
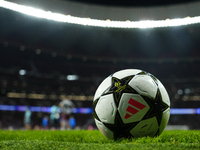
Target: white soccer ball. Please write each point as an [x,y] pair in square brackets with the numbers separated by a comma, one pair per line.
[131,103]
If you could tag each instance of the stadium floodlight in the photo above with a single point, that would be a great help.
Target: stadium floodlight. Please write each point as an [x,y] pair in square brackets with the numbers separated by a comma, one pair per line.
[98,23]
[72,77]
[22,72]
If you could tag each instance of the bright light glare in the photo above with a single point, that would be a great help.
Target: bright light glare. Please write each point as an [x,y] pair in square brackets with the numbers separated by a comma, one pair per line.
[72,77]
[22,72]
[94,22]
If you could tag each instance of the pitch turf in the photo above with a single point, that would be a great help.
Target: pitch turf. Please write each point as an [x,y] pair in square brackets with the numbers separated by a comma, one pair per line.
[94,140]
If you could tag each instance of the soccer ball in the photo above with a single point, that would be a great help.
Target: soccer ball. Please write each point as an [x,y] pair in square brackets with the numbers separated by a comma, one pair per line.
[131,103]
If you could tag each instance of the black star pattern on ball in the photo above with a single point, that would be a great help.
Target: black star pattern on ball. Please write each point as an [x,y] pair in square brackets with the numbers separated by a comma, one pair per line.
[119,129]
[157,106]
[120,86]
[152,76]
[94,112]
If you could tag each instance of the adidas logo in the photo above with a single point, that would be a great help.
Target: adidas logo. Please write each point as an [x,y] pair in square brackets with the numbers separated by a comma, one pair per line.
[132,110]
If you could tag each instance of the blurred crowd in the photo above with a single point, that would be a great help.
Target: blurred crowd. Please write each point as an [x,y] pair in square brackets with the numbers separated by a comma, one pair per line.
[30,76]
[60,117]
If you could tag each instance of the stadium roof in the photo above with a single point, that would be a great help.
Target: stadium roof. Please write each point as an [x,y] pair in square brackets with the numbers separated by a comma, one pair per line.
[109,16]
[70,39]
[132,3]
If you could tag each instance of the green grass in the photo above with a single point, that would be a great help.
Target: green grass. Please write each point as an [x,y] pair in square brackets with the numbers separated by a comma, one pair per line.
[94,140]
